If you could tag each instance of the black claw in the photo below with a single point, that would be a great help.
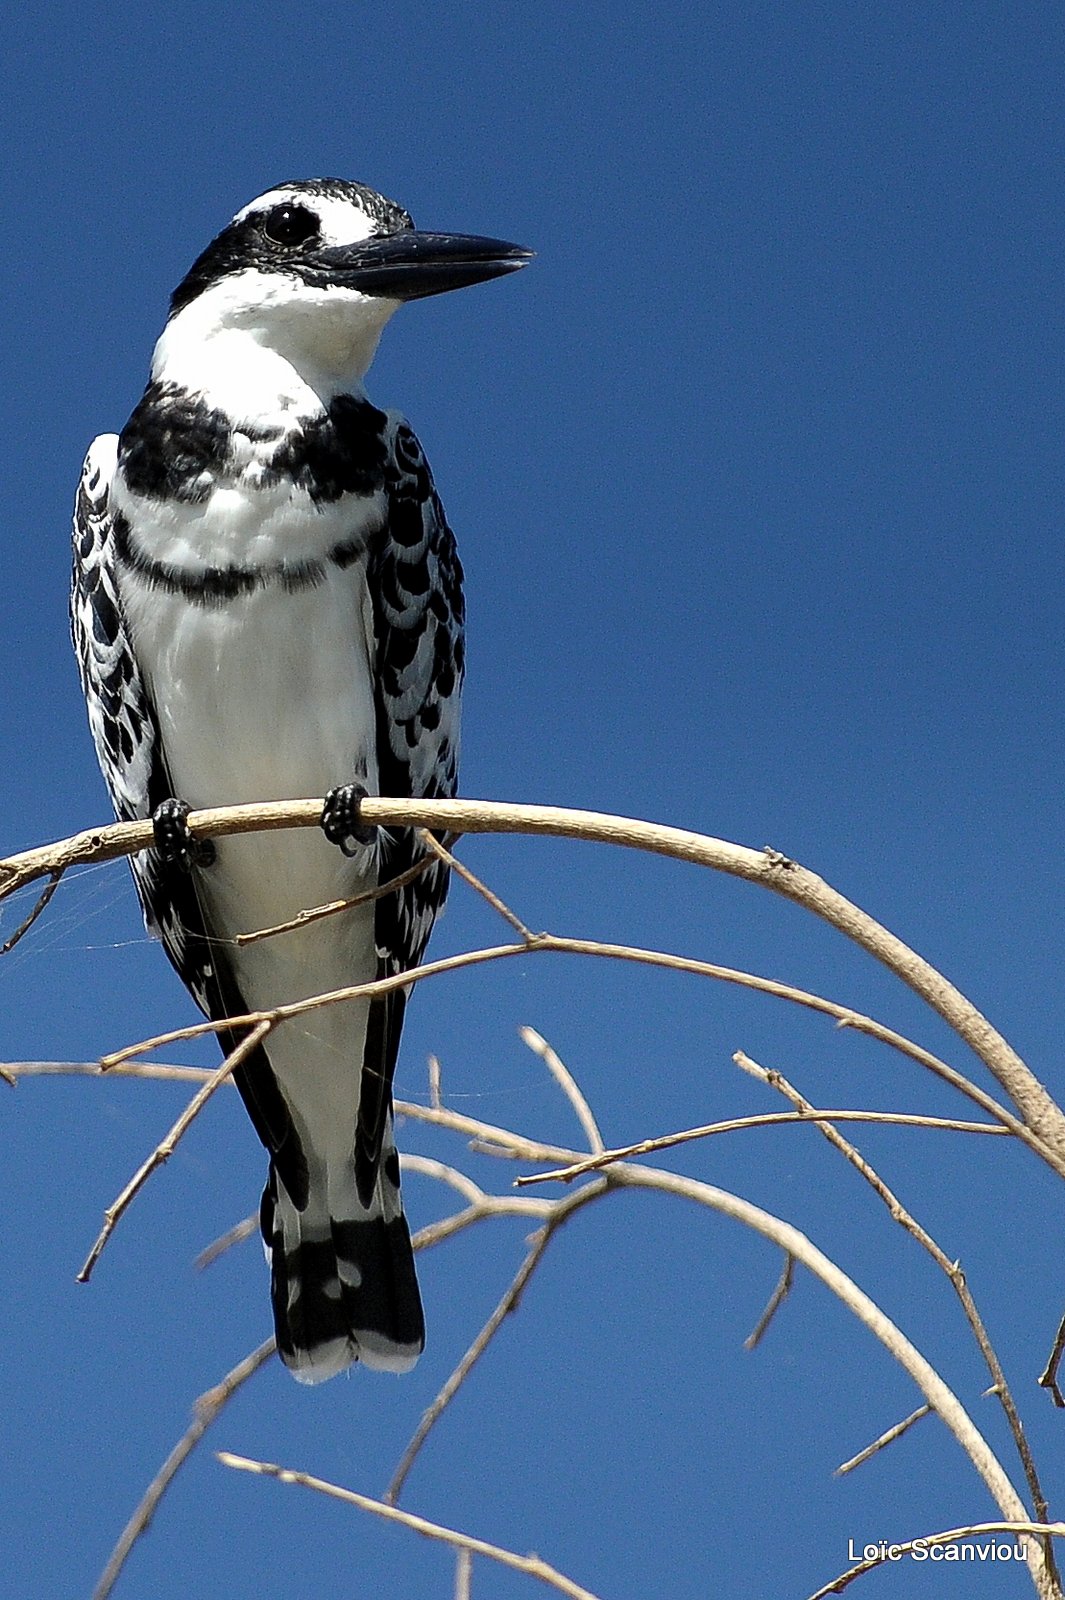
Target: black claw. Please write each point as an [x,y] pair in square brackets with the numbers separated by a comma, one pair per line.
[342,820]
[174,842]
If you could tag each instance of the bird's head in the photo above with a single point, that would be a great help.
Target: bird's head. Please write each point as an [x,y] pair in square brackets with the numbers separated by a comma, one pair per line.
[312,271]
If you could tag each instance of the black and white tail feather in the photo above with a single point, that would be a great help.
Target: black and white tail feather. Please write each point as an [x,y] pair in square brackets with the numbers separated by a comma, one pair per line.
[266,603]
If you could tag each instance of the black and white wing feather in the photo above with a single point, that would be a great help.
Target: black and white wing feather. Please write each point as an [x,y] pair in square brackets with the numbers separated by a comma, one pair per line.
[415,582]
[125,731]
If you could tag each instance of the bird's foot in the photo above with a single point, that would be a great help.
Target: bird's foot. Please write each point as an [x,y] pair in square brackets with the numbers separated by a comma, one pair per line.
[174,842]
[342,818]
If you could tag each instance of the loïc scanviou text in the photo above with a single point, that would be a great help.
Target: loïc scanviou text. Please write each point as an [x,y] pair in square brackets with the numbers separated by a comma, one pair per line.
[985,1550]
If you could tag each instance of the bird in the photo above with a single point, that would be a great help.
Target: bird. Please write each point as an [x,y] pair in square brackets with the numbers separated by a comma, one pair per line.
[267,604]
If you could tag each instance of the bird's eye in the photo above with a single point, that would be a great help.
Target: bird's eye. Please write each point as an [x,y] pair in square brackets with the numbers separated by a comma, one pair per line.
[290,225]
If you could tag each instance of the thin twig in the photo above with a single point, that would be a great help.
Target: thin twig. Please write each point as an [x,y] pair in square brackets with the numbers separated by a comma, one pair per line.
[205,1411]
[92,1069]
[427,1167]
[491,1139]
[42,900]
[235,1235]
[952,1270]
[432,843]
[561,1211]
[776,1300]
[764,1119]
[886,1438]
[892,1552]
[435,1099]
[165,1149]
[567,1083]
[532,1566]
[493,1205]
[334,907]
[463,1575]
[768,868]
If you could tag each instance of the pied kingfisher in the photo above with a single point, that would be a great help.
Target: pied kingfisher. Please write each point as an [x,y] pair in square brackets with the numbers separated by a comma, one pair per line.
[267,605]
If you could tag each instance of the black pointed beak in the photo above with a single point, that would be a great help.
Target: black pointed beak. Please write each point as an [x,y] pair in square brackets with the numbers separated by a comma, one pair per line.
[410,265]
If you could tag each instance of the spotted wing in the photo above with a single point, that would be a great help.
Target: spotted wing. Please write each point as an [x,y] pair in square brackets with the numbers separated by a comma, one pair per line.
[129,749]
[415,582]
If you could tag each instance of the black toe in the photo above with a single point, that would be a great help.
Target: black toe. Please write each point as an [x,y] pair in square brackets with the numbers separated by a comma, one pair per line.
[173,840]
[342,821]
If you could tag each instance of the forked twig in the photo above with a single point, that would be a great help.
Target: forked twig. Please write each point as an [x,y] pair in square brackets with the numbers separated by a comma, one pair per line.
[165,1148]
[952,1269]
[532,1566]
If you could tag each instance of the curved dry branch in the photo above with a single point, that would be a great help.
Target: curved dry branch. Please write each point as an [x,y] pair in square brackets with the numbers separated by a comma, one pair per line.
[951,1269]
[939,1396]
[767,868]
[532,1566]
[761,1119]
[558,944]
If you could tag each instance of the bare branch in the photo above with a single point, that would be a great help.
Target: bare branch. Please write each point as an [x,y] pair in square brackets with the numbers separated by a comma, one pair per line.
[767,868]
[463,1575]
[941,1398]
[952,1269]
[493,1205]
[165,1149]
[205,1411]
[776,1300]
[245,1229]
[532,1566]
[764,1119]
[93,1069]
[557,944]
[334,907]
[426,1167]
[567,1083]
[886,1438]
[462,871]
[42,900]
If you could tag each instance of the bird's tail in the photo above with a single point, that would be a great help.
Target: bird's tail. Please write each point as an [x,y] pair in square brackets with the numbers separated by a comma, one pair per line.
[342,1274]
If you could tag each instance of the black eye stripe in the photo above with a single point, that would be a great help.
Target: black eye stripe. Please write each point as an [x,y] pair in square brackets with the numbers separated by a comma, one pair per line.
[290,225]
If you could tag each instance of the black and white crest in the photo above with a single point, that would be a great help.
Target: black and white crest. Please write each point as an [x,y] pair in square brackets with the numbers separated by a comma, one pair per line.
[267,603]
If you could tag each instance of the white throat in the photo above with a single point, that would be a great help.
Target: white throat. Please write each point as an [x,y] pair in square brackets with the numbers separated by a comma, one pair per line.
[258,346]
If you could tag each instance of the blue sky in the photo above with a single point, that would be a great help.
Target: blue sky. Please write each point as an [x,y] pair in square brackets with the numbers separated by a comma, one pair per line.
[757,477]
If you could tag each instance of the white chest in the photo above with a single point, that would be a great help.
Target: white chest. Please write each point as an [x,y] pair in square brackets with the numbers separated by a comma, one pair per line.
[268,697]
